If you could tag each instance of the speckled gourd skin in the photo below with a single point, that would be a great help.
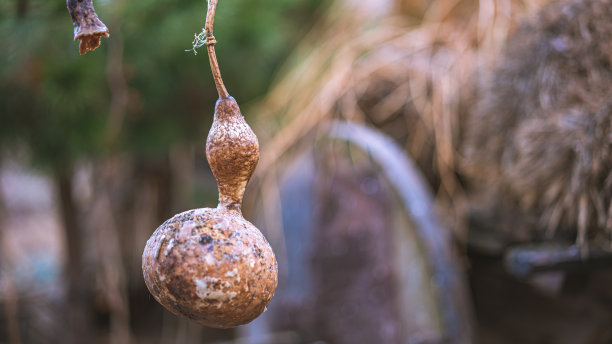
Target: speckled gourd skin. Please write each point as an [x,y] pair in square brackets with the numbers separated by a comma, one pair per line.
[232,150]
[211,265]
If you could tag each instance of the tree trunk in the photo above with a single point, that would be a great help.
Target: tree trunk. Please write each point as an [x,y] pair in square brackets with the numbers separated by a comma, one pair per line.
[11,295]
[21,7]
[78,312]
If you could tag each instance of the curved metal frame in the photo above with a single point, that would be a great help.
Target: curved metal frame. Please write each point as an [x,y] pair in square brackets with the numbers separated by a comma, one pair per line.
[412,189]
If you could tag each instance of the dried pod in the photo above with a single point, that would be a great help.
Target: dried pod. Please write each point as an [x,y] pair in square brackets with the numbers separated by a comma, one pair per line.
[211,265]
[87,26]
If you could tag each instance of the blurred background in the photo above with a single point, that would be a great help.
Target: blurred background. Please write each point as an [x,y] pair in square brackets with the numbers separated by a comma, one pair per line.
[391,213]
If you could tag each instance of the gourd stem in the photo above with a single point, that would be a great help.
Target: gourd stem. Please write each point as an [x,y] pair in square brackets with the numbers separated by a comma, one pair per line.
[210,46]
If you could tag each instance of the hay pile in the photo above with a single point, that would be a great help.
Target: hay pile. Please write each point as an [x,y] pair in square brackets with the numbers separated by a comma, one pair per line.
[542,130]
[411,76]
[519,128]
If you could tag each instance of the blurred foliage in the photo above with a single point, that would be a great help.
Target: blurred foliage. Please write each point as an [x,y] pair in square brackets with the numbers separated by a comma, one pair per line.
[56,103]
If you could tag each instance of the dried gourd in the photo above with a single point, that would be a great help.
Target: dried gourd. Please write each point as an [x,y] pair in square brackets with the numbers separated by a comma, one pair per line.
[210,264]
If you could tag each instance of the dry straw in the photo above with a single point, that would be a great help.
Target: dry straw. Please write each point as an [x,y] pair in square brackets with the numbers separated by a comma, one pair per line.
[435,77]
[410,72]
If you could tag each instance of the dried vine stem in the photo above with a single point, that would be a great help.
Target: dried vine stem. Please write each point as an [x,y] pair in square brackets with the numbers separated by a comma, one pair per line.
[87,26]
[210,46]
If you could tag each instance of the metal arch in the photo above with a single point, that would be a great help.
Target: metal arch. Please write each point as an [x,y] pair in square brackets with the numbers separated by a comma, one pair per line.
[417,199]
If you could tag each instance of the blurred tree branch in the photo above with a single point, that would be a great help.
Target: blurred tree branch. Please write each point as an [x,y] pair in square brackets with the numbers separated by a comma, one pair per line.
[22,8]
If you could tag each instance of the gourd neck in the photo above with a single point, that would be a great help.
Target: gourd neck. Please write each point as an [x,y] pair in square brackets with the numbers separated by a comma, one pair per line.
[227,108]
[226,203]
